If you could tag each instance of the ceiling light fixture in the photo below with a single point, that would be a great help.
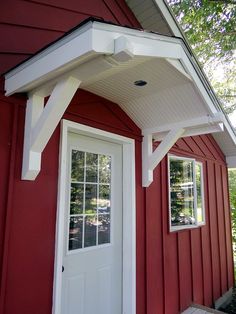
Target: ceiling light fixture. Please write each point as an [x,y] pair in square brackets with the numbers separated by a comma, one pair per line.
[140,83]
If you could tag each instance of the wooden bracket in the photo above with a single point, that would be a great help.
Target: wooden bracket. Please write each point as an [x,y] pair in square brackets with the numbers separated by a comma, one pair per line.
[41,121]
[152,158]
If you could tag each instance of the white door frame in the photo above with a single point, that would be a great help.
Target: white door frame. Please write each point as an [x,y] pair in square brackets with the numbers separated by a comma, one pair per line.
[129,217]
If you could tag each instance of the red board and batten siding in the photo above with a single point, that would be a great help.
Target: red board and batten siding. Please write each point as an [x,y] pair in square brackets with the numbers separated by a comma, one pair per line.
[30,227]
[178,268]
[191,265]
[27,26]
[173,269]
[28,209]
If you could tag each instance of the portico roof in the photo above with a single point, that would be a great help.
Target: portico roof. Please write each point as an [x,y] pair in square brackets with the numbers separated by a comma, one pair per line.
[153,78]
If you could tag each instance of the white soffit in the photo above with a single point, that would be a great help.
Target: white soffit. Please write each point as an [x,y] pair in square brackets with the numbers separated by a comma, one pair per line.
[168,97]
[106,60]
[149,16]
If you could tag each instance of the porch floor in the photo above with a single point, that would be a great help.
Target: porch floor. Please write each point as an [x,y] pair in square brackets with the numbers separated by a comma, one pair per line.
[197,309]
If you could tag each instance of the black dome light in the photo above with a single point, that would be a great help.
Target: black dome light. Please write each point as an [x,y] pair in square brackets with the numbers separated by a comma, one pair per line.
[140,83]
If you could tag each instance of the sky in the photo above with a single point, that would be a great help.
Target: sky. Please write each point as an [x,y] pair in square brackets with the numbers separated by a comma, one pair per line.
[219,76]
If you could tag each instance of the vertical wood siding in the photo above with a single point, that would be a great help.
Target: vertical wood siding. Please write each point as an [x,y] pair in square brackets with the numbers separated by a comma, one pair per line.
[6,122]
[27,233]
[193,265]
[31,225]
[44,21]
[173,269]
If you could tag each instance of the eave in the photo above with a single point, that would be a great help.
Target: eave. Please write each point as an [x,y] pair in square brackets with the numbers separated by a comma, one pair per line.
[107,59]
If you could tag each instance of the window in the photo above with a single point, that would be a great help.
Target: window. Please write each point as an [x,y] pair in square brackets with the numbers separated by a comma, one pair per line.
[186,199]
[90,200]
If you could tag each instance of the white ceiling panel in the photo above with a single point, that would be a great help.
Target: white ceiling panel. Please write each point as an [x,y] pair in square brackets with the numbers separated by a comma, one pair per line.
[119,85]
[168,97]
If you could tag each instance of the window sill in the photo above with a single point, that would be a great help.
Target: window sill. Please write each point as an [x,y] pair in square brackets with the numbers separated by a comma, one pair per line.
[186,227]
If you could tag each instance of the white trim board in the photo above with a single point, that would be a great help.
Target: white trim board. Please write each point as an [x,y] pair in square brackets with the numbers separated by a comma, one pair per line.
[129,216]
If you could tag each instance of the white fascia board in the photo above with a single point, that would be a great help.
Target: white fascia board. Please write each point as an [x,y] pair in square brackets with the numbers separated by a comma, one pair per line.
[88,42]
[80,46]
[143,43]
[57,59]
[48,64]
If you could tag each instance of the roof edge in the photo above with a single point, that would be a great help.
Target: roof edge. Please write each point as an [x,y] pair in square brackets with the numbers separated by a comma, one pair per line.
[177,31]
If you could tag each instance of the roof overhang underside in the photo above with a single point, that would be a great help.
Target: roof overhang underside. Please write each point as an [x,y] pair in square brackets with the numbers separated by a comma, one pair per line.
[107,60]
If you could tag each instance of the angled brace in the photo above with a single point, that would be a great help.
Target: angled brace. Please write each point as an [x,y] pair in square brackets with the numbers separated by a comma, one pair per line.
[41,121]
[152,159]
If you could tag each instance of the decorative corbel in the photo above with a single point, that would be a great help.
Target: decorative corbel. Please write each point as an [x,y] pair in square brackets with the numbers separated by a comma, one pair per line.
[41,121]
[150,158]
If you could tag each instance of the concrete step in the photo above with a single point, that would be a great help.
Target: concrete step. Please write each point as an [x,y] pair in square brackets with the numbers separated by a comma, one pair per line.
[199,309]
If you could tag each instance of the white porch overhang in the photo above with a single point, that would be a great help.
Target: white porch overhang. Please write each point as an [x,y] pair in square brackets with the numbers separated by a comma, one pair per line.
[107,60]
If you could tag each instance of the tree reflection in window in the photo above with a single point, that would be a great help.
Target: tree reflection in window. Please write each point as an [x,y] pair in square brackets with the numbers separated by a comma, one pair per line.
[186,192]
[90,200]
[182,192]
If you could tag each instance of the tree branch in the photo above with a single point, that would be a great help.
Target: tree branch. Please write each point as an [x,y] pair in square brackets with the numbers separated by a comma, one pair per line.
[224,1]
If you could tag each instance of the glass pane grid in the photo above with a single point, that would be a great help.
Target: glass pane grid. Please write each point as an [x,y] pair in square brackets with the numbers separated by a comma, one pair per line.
[90,199]
[186,193]
[182,192]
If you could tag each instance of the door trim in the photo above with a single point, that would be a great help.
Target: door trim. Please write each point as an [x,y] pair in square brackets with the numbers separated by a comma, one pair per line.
[129,216]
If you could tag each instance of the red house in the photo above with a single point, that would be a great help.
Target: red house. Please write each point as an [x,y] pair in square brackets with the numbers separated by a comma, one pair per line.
[114,153]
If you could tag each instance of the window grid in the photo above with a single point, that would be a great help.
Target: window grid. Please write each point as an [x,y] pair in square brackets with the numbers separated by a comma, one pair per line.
[84,215]
[197,223]
[85,166]
[97,201]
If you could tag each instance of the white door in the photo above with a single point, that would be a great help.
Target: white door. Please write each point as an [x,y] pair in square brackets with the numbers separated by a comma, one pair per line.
[92,261]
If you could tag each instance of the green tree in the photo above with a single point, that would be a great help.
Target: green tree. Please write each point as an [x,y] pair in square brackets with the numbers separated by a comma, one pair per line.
[210,27]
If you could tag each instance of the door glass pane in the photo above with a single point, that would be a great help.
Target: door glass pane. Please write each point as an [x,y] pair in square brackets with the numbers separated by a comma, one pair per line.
[104,225]
[90,200]
[104,199]
[104,169]
[76,198]
[90,230]
[77,166]
[91,167]
[75,232]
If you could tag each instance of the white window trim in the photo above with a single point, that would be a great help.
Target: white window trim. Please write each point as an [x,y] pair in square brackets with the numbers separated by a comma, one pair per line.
[197,224]
[203,195]
[129,213]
